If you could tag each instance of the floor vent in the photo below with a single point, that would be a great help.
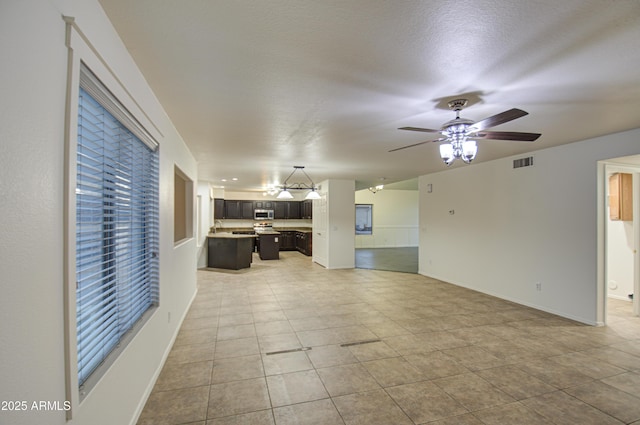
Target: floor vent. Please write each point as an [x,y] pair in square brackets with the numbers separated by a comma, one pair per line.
[369,341]
[293,350]
[523,162]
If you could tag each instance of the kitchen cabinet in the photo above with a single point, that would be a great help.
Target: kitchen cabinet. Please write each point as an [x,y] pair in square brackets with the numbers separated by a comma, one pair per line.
[232,209]
[247,209]
[264,205]
[296,240]
[218,209]
[230,252]
[621,197]
[287,240]
[280,210]
[269,246]
[286,210]
[306,208]
[303,242]
[294,210]
[242,210]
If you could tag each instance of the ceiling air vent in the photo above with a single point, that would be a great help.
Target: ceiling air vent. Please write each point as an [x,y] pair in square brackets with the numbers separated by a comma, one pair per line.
[523,162]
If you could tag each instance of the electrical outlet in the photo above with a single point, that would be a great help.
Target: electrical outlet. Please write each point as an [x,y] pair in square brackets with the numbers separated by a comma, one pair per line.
[538,286]
[169,317]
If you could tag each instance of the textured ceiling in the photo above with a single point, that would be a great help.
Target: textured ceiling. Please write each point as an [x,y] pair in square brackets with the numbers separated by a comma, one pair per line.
[256,87]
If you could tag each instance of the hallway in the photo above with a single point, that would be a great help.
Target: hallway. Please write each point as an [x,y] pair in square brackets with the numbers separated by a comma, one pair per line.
[289,342]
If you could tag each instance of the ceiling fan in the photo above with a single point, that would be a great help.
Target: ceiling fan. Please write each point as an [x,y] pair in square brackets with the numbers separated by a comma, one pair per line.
[459,133]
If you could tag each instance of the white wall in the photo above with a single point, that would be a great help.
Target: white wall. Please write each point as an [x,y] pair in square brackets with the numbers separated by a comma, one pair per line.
[341,224]
[501,231]
[395,218]
[32,253]
[334,225]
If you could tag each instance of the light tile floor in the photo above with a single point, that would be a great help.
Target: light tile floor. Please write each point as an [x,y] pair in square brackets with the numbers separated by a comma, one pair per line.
[403,259]
[265,346]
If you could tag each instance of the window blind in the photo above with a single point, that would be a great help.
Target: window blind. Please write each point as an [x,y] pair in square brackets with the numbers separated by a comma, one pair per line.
[116,231]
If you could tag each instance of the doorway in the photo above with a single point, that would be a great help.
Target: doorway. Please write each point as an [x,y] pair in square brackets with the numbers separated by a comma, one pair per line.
[386,232]
[619,240]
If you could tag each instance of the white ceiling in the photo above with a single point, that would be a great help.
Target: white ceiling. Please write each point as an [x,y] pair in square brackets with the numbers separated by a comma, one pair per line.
[255,87]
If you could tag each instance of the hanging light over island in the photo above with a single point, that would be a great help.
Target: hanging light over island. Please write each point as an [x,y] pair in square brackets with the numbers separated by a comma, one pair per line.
[310,186]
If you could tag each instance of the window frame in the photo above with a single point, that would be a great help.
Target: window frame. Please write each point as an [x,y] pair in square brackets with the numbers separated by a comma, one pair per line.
[367,231]
[80,52]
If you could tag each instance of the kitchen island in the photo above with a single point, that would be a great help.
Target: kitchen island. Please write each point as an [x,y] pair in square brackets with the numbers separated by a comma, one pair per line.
[269,245]
[229,251]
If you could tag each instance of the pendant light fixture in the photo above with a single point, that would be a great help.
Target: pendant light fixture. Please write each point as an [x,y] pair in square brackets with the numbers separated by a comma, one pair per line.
[286,187]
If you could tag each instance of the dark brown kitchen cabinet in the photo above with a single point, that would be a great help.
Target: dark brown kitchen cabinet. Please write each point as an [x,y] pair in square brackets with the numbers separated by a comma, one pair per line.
[286,210]
[306,209]
[269,246]
[287,240]
[304,243]
[232,209]
[218,209]
[280,210]
[294,210]
[242,210]
[247,209]
[230,253]
[264,205]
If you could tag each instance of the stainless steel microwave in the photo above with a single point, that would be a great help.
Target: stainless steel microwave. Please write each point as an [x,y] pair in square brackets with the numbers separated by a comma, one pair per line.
[263,214]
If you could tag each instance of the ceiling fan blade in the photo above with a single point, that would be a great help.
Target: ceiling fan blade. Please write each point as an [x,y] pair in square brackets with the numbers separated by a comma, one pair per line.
[498,119]
[425,130]
[410,146]
[506,135]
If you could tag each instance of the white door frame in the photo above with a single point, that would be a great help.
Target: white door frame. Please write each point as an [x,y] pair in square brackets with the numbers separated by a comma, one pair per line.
[601,266]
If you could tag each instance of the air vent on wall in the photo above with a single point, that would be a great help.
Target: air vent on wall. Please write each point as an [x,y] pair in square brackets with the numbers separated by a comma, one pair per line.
[523,162]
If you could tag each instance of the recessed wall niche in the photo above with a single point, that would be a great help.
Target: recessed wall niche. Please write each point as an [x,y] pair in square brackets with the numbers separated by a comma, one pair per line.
[183,206]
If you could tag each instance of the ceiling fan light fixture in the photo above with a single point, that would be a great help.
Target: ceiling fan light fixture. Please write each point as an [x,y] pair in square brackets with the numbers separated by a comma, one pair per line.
[376,189]
[469,150]
[459,133]
[446,153]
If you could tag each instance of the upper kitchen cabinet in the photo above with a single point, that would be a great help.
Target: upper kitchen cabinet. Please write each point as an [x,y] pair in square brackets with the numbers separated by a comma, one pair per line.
[294,210]
[247,208]
[264,205]
[242,210]
[306,208]
[286,210]
[621,197]
[218,209]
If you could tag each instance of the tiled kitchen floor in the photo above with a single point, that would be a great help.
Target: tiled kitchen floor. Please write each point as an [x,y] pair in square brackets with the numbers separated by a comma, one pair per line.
[265,346]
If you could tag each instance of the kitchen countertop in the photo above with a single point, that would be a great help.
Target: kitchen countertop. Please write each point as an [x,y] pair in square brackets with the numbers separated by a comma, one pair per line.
[228,235]
[226,230]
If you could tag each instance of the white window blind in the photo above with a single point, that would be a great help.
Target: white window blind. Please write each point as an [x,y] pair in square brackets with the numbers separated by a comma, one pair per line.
[116,230]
